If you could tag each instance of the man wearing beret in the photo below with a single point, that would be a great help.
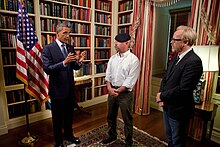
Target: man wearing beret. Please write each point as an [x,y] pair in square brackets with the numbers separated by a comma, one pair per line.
[121,75]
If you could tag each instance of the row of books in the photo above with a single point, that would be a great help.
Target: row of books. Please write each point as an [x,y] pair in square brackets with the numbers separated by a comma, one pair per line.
[124,6]
[19,109]
[102,42]
[124,29]
[99,81]
[100,67]
[75,41]
[103,30]
[9,56]
[12,5]
[102,54]
[10,76]
[127,18]
[102,18]
[83,94]
[99,91]
[80,41]
[64,11]
[105,6]
[47,39]
[75,27]
[195,128]
[15,96]
[8,39]
[84,70]
[8,22]
[85,3]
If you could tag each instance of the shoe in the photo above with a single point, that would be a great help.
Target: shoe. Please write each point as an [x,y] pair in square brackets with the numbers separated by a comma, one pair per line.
[108,140]
[75,140]
[128,144]
[58,145]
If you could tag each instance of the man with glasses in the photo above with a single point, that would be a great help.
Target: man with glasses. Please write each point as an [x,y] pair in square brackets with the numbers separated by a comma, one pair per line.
[176,90]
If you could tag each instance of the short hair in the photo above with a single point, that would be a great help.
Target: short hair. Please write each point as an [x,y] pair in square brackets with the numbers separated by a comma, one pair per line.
[60,26]
[189,34]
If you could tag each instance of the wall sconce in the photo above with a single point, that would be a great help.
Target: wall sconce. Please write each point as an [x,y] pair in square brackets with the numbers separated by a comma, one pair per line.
[209,57]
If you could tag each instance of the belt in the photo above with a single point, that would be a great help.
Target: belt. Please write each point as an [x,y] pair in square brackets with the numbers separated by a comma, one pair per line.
[116,87]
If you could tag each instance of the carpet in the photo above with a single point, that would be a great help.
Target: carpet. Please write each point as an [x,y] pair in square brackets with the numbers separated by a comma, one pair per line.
[140,138]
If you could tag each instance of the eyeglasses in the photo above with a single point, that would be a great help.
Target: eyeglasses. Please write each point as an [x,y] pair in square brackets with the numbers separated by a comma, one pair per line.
[175,39]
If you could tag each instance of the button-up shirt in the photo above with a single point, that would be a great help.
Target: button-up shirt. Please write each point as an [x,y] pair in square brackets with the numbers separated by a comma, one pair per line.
[123,70]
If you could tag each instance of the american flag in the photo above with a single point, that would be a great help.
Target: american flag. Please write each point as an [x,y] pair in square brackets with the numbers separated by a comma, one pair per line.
[29,65]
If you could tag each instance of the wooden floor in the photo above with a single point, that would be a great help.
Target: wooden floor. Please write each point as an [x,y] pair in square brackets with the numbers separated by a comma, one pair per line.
[153,124]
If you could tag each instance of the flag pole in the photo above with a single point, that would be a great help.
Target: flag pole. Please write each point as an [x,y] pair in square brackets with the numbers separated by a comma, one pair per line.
[29,140]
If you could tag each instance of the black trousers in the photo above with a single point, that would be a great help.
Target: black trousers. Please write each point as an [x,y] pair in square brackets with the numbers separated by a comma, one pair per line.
[124,101]
[62,117]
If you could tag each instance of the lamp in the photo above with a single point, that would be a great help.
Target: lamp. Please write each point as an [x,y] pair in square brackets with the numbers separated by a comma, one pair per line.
[209,57]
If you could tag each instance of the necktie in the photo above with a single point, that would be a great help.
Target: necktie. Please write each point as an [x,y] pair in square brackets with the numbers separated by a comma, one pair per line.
[63,49]
[177,59]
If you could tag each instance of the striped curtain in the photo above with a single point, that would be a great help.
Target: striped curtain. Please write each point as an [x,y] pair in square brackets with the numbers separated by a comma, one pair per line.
[205,20]
[142,47]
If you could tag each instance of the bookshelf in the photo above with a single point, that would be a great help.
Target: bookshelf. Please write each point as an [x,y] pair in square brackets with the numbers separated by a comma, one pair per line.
[102,44]
[91,31]
[125,16]
[12,88]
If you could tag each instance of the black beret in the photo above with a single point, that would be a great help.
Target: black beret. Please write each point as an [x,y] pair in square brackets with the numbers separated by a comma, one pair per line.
[122,37]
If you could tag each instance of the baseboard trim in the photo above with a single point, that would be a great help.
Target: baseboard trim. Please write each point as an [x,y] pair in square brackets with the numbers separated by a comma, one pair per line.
[216,135]
[20,121]
[3,129]
[94,101]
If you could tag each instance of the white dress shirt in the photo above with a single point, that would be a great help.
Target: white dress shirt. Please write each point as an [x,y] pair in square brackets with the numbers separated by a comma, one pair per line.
[123,70]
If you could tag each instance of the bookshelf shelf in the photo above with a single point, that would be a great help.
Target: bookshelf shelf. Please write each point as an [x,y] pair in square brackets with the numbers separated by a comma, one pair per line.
[8,30]
[14,87]
[126,11]
[7,12]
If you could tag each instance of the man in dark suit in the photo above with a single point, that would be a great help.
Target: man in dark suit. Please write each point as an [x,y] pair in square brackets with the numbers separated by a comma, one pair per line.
[59,60]
[176,90]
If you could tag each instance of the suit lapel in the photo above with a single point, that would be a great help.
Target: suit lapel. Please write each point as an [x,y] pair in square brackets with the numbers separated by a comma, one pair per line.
[57,49]
[170,68]
[173,67]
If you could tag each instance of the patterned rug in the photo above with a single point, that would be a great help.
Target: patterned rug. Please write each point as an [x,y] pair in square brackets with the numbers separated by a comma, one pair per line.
[140,138]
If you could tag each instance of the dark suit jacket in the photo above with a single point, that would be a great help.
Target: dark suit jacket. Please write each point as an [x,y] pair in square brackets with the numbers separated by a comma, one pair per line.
[61,79]
[178,84]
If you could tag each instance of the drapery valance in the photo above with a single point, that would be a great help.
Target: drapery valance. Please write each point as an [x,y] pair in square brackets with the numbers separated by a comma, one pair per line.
[163,3]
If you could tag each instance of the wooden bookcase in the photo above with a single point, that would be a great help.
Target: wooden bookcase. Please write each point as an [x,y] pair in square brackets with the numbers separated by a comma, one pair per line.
[12,89]
[91,31]
[125,16]
[102,47]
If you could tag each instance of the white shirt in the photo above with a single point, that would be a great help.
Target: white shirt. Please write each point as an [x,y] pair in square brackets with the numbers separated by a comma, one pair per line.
[183,54]
[123,70]
[60,43]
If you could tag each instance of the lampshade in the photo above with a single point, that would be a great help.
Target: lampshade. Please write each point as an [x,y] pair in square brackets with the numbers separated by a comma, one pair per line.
[209,56]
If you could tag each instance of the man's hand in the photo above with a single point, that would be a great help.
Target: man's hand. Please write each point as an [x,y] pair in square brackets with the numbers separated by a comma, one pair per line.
[70,58]
[158,100]
[113,92]
[82,56]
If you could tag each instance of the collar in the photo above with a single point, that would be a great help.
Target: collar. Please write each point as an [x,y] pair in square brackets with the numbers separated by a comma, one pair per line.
[124,54]
[184,53]
[59,43]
